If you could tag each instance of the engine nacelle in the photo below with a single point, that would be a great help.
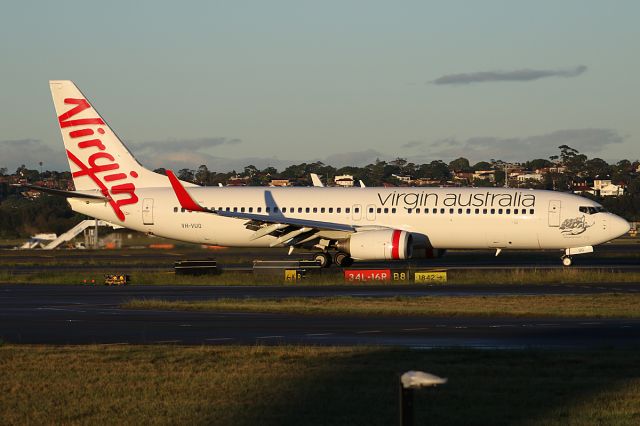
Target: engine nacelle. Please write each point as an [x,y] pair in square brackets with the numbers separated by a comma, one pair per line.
[391,244]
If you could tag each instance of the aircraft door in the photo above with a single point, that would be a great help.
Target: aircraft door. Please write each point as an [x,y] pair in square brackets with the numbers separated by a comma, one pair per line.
[147,211]
[554,213]
[356,211]
[371,212]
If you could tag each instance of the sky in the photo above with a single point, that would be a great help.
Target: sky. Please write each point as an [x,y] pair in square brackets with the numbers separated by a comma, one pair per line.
[233,83]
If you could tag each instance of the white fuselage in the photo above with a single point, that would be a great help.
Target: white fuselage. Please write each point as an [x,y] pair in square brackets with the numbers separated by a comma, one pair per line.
[449,218]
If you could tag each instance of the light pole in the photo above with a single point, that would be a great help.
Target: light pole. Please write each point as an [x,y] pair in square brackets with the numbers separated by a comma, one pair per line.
[410,381]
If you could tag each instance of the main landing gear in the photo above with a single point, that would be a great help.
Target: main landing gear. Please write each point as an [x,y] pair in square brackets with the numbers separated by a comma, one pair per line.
[324,259]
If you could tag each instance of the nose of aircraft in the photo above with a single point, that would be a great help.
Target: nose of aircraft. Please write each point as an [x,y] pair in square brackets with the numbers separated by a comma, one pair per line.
[618,226]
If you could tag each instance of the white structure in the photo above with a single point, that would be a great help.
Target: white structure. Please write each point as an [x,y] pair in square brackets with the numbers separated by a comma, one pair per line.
[530,176]
[344,180]
[605,188]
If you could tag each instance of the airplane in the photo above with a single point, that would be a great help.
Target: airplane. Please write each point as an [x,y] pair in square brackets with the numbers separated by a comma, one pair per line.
[340,225]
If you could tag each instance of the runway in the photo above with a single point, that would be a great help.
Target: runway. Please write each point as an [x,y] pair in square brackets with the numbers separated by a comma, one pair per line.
[86,315]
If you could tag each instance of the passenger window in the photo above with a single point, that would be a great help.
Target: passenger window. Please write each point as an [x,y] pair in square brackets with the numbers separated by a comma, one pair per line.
[322,210]
[275,210]
[508,211]
[338,210]
[477,211]
[484,211]
[493,211]
[450,211]
[459,211]
[409,211]
[468,211]
[268,209]
[426,211]
[417,210]
[299,209]
[175,210]
[515,211]
[307,209]
[357,210]
[386,210]
[347,210]
[182,210]
[370,209]
[531,211]
[228,209]
[330,209]
[259,209]
[434,211]
[379,210]
[393,210]
[242,209]
[499,211]
[315,210]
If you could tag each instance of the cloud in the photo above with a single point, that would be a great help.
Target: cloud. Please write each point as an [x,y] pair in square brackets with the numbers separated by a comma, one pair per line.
[30,152]
[515,75]
[183,144]
[587,141]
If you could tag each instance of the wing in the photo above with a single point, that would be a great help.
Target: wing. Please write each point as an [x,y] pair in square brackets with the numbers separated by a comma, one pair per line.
[289,232]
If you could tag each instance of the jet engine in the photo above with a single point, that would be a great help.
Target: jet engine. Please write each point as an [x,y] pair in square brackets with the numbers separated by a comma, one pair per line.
[385,244]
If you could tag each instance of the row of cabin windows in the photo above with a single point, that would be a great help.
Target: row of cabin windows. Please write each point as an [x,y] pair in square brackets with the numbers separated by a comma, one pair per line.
[467,211]
[380,210]
[284,209]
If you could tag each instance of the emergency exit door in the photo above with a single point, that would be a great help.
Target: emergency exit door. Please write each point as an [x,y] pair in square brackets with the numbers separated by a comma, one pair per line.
[554,213]
[147,211]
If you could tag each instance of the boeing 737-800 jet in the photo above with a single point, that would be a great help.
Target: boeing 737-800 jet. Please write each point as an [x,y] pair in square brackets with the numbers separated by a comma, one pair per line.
[340,224]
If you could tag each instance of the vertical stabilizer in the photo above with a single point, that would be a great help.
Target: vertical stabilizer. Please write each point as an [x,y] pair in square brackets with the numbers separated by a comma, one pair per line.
[97,158]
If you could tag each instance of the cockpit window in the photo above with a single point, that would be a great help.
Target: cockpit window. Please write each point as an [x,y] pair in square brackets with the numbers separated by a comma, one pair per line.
[591,209]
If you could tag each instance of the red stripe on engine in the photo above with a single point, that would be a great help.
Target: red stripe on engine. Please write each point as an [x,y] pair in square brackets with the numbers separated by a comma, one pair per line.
[395,241]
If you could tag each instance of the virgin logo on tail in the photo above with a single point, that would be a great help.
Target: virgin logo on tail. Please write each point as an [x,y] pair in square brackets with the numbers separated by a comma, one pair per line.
[101,166]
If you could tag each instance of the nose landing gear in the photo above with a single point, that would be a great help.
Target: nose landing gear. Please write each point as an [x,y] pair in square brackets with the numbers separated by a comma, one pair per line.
[566,261]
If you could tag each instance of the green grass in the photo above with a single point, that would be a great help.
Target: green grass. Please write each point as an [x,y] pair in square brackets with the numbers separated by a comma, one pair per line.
[588,306]
[312,386]
[333,277]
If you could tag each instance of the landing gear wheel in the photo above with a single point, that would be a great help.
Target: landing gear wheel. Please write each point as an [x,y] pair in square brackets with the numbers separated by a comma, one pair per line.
[323,259]
[342,259]
[566,261]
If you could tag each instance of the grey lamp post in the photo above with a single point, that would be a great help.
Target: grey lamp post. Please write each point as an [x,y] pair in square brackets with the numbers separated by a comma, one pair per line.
[410,381]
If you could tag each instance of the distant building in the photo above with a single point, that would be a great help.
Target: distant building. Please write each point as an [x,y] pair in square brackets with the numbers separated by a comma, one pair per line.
[605,188]
[280,182]
[403,179]
[489,175]
[344,180]
[530,176]
[238,181]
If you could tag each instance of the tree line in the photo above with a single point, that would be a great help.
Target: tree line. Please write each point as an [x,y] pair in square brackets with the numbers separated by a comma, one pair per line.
[21,217]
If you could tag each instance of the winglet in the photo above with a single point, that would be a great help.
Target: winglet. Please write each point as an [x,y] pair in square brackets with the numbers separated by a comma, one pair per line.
[183,196]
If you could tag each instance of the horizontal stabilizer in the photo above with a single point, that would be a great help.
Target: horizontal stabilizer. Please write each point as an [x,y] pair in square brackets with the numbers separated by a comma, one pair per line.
[87,195]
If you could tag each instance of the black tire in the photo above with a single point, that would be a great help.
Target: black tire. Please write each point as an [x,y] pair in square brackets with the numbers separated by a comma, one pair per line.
[342,259]
[323,259]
